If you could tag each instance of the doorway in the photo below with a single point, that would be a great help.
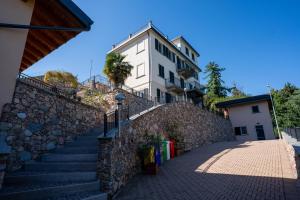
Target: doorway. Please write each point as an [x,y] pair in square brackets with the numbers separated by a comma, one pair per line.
[168,98]
[260,132]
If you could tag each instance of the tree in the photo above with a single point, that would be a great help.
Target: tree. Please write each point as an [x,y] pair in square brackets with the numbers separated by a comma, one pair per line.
[116,69]
[287,105]
[215,83]
[61,79]
[237,92]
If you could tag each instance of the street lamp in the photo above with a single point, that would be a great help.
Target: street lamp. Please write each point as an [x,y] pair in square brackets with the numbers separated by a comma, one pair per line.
[119,98]
[185,95]
[274,111]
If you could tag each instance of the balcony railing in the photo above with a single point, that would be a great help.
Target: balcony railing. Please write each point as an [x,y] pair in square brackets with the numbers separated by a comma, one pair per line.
[185,70]
[175,85]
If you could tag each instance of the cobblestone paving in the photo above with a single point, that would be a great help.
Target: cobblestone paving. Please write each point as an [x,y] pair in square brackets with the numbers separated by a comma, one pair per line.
[227,170]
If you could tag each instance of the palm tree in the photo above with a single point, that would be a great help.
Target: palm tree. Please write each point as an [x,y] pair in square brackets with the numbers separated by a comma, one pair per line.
[116,69]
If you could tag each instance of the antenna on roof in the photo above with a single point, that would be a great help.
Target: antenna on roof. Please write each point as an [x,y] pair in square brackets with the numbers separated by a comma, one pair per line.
[150,23]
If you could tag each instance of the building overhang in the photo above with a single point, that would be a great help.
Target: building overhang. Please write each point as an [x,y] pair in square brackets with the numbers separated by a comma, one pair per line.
[53,23]
[244,101]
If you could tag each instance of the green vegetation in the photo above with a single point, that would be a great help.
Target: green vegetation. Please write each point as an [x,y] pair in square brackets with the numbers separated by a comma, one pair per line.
[93,98]
[216,91]
[287,105]
[61,79]
[116,69]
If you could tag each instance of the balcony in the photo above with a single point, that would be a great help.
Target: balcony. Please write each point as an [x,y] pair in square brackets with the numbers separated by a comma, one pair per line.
[194,91]
[174,85]
[185,70]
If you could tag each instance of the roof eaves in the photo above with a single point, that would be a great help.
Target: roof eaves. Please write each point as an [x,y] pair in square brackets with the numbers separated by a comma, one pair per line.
[181,37]
[77,12]
[245,100]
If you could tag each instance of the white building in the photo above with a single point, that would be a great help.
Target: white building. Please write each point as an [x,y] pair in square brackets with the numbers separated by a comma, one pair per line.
[250,117]
[163,68]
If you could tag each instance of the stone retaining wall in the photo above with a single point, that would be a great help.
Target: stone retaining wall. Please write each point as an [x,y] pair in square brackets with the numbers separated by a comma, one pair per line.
[38,121]
[118,159]
[136,103]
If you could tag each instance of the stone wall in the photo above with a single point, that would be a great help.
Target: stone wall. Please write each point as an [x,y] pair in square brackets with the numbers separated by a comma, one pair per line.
[118,158]
[38,121]
[136,103]
[294,156]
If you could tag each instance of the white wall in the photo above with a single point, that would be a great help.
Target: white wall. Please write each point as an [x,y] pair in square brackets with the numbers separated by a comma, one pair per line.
[180,43]
[241,115]
[12,44]
[151,59]
[137,58]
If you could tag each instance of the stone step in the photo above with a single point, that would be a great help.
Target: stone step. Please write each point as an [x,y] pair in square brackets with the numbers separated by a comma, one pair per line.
[77,150]
[83,143]
[60,166]
[101,196]
[51,192]
[69,157]
[23,178]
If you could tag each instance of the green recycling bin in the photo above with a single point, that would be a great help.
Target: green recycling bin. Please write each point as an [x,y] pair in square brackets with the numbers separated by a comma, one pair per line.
[165,150]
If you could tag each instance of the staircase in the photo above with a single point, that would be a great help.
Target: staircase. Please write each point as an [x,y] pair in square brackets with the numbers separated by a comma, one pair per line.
[67,173]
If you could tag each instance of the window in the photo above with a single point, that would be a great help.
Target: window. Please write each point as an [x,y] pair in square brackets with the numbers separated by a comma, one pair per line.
[161,71]
[244,130]
[140,70]
[173,57]
[156,44]
[195,75]
[164,50]
[178,62]
[193,57]
[158,94]
[182,83]
[141,46]
[172,79]
[187,52]
[240,130]
[255,109]
[237,131]
[191,86]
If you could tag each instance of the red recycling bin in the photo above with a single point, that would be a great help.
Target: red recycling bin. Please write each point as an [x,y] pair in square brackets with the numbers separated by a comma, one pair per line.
[172,149]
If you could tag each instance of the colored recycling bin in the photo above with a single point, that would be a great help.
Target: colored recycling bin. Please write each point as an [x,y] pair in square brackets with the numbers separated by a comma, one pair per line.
[168,150]
[165,150]
[172,149]
[157,156]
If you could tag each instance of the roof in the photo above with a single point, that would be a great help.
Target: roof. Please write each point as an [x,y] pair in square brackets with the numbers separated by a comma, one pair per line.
[52,13]
[246,100]
[146,28]
[182,38]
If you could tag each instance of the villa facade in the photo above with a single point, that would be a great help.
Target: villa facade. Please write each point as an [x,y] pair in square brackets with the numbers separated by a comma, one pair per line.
[164,70]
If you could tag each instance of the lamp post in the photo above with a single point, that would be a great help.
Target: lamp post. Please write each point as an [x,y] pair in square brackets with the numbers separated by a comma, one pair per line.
[119,97]
[274,111]
[185,95]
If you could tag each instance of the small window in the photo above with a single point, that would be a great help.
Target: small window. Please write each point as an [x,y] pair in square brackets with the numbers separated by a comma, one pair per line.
[161,71]
[159,47]
[237,131]
[193,57]
[191,86]
[141,46]
[187,52]
[158,94]
[255,109]
[173,57]
[172,79]
[240,130]
[182,83]
[244,130]
[140,70]
[156,44]
[178,62]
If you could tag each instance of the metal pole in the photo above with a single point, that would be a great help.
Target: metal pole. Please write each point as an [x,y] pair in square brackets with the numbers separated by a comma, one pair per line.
[279,134]
[119,118]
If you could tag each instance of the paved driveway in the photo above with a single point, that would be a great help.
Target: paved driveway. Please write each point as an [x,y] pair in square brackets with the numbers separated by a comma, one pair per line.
[227,170]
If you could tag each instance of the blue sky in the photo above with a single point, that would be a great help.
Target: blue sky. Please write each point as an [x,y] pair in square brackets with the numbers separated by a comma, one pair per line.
[257,41]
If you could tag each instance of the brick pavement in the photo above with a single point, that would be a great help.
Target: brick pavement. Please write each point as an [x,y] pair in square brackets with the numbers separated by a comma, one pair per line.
[227,170]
